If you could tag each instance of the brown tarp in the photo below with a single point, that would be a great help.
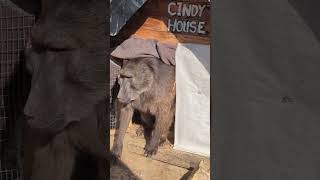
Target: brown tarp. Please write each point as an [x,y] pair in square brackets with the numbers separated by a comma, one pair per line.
[136,47]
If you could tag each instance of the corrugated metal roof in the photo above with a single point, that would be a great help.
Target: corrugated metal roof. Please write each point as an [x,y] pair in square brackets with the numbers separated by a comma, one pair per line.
[121,11]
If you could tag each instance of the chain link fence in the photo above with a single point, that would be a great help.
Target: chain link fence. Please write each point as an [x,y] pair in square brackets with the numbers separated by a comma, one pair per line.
[15,27]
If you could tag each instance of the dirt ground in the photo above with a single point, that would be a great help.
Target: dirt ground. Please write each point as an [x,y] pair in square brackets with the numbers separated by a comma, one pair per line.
[168,164]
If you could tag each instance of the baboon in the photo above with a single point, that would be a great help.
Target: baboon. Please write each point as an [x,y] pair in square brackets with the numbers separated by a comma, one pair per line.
[66,120]
[148,86]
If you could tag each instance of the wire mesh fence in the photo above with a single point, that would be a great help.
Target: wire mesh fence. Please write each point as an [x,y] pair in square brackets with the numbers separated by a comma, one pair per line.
[9,174]
[15,26]
[114,71]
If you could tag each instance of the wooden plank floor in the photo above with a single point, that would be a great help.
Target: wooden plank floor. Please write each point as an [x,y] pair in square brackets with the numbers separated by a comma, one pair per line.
[168,164]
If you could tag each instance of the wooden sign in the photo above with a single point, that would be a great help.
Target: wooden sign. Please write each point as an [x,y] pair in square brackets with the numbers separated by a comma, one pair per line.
[172,22]
[188,17]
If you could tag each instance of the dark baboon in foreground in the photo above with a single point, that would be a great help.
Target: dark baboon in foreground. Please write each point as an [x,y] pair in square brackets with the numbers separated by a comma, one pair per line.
[148,86]
[66,118]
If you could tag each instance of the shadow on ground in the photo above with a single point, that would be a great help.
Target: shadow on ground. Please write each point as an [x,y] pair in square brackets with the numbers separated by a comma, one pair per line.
[120,171]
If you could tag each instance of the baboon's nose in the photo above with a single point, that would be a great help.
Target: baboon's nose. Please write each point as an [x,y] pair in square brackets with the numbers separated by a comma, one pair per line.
[27,112]
[27,117]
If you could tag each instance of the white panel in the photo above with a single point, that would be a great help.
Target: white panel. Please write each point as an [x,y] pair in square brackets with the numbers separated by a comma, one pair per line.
[192,125]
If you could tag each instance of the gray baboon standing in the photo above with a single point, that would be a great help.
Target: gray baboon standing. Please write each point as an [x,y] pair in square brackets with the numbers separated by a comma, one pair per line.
[147,85]
[66,129]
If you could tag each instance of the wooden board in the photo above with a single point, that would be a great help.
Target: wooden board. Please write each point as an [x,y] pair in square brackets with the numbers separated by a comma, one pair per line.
[159,18]
[154,18]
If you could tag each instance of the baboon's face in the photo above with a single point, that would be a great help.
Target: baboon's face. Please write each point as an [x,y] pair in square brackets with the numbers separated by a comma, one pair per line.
[136,77]
[67,61]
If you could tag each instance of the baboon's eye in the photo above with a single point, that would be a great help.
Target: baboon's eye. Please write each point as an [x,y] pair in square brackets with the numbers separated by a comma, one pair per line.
[56,49]
[125,76]
[53,48]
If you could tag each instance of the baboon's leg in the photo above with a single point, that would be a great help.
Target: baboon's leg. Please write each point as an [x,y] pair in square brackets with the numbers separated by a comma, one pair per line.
[147,120]
[54,160]
[162,126]
[163,139]
[147,132]
[164,135]
[126,113]
[147,125]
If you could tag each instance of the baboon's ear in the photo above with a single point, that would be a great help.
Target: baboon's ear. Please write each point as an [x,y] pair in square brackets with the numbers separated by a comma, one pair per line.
[30,6]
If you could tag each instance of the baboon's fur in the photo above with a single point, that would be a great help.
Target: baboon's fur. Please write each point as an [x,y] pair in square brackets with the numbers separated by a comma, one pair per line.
[148,86]
[66,129]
